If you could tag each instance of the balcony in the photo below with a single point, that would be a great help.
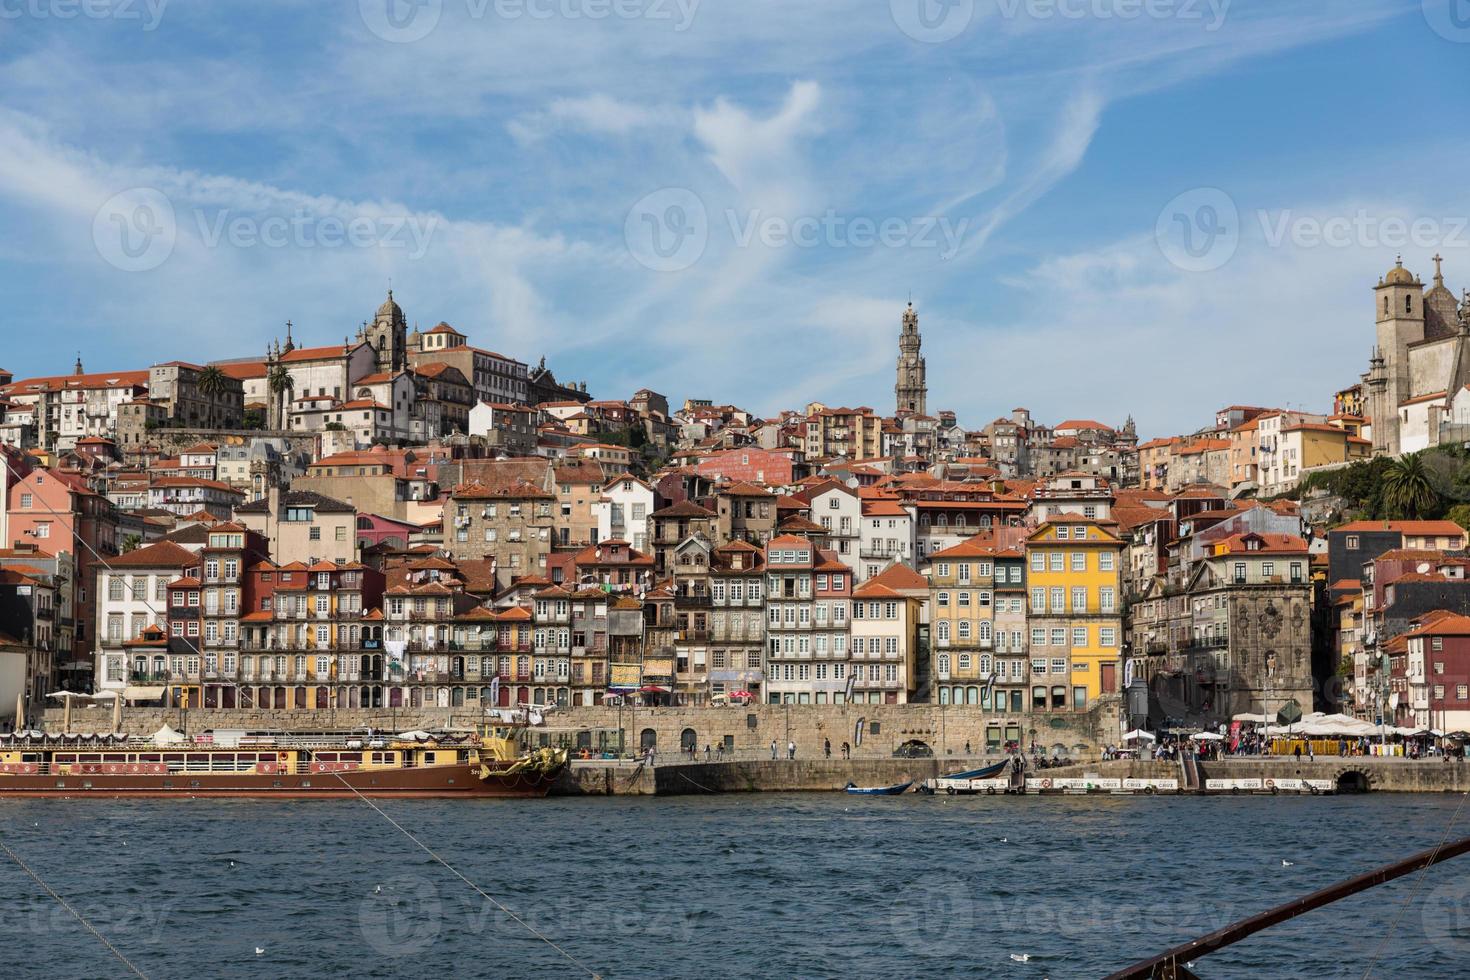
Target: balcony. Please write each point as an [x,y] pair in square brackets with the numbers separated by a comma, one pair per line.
[692,600]
[694,636]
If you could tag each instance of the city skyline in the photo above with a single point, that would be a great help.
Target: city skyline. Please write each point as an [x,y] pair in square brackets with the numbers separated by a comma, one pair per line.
[1031,225]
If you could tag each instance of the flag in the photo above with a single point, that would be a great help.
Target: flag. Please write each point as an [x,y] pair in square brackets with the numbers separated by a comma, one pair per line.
[495,691]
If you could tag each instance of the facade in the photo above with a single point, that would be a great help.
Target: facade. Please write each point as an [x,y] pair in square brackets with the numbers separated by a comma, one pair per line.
[300,525]
[622,511]
[511,524]
[807,598]
[737,620]
[886,641]
[1074,574]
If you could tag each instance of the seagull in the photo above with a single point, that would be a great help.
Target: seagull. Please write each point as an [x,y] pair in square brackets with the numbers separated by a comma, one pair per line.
[1005,840]
[1021,957]
[259,951]
[377,889]
[232,864]
[1286,864]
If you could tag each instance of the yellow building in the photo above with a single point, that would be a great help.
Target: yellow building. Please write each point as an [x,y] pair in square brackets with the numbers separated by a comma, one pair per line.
[962,619]
[1074,574]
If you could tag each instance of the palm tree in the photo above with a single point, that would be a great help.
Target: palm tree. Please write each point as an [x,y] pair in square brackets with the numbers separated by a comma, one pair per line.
[280,382]
[1406,488]
[211,383]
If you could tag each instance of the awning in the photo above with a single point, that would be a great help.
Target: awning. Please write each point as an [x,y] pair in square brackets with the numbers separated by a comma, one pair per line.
[653,689]
[142,693]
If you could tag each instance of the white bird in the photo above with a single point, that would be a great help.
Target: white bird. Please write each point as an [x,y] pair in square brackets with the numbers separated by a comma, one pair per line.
[377,889]
[259,951]
[1005,840]
[1286,864]
[232,864]
[1021,957]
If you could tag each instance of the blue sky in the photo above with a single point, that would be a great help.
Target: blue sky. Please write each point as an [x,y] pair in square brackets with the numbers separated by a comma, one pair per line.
[689,194]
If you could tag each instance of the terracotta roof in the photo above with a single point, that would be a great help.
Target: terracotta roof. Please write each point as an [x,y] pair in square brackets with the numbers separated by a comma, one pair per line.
[163,554]
[1415,528]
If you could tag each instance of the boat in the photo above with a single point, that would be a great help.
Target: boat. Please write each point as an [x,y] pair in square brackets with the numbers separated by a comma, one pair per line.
[987,772]
[418,764]
[895,790]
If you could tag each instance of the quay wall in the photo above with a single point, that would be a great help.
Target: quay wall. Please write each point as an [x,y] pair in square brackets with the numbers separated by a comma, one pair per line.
[746,731]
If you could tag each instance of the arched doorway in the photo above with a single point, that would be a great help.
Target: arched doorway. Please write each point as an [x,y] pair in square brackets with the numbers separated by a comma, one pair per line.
[688,740]
[647,739]
[321,697]
[1353,781]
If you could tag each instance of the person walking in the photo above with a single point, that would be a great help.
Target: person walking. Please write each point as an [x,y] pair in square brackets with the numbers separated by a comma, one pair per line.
[773,750]
[827,747]
[846,751]
[791,749]
[706,752]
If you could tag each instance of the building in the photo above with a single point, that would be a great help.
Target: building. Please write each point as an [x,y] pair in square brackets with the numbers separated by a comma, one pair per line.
[911,390]
[886,642]
[622,511]
[807,597]
[303,526]
[511,523]
[885,536]
[196,397]
[737,620]
[1438,674]
[1076,614]
[1421,359]
[134,595]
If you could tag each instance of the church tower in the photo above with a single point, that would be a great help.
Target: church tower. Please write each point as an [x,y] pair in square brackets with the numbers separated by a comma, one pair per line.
[388,334]
[911,390]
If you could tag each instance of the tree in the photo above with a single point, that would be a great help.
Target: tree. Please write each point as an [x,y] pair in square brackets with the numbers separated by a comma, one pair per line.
[131,542]
[280,382]
[1406,488]
[211,381]
[1460,514]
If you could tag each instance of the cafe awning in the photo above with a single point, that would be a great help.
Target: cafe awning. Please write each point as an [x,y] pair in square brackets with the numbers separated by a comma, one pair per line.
[142,693]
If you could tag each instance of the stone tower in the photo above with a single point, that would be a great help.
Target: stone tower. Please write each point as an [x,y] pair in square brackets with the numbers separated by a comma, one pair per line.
[388,335]
[911,390]
[1399,301]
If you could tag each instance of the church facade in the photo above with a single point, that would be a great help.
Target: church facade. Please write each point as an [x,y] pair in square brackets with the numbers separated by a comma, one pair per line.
[1414,391]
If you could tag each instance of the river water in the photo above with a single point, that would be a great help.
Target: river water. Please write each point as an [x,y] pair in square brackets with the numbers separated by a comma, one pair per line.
[730,886]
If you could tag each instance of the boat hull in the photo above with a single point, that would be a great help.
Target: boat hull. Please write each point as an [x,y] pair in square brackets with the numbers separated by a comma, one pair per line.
[434,782]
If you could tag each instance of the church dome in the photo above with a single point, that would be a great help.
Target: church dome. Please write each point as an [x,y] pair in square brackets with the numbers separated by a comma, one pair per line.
[1399,276]
[389,308]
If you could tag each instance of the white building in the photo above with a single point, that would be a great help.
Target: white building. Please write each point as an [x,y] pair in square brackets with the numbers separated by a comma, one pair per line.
[885,537]
[133,594]
[622,512]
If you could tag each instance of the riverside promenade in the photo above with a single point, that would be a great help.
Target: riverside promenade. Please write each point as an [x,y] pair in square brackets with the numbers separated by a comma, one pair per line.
[681,777]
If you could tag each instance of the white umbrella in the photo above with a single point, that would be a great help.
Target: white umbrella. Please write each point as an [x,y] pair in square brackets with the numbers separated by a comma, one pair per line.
[1208,737]
[1138,733]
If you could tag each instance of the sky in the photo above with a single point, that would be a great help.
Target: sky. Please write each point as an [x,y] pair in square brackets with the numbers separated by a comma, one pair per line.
[1100,208]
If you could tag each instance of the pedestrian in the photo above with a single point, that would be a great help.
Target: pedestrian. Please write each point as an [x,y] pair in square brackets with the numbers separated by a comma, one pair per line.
[706,752]
[1311,752]
[846,751]
[827,747]
[1296,750]
[791,749]
[773,749]
[967,747]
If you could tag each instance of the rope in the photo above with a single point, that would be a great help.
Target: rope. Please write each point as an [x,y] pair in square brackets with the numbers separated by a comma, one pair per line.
[75,914]
[693,783]
[1418,881]
[483,894]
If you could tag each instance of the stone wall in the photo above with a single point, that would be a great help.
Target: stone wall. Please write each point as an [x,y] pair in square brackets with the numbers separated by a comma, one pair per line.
[945,730]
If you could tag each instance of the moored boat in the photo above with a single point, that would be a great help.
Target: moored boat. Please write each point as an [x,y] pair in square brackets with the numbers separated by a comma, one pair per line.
[985,772]
[329,764]
[894,790]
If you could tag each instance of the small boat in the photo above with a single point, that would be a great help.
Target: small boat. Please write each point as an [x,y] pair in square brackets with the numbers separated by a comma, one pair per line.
[878,790]
[988,772]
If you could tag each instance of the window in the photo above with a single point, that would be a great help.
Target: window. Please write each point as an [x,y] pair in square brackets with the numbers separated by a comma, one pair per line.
[1063,533]
[964,598]
[943,599]
[1059,665]
[1038,636]
[1107,599]
[1079,636]
[1056,561]
[1079,561]
[1107,636]
[1038,600]
[1352,539]
[1038,561]
[1038,666]
[1079,600]
[1105,561]
[315,534]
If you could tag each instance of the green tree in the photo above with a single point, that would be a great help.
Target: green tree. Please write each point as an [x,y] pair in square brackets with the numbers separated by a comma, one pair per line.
[131,542]
[280,383]
[212,381]
[1406,488]
[1460,514]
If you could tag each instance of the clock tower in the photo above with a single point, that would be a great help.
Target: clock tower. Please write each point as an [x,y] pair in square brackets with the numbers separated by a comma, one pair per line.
[911,389]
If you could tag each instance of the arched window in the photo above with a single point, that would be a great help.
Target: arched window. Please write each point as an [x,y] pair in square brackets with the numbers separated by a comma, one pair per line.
[985,630]
[944,663]
[944,629]
[1408,304]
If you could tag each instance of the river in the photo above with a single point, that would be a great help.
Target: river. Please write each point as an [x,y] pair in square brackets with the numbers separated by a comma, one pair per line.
[729,886]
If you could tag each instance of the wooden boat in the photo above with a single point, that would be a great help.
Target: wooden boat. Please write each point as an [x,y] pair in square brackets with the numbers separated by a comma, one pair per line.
[417,764]
[987,772]
[878,790]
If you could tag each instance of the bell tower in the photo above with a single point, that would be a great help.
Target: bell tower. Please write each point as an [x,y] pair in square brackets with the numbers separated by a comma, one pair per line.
[388,334]
[911,389]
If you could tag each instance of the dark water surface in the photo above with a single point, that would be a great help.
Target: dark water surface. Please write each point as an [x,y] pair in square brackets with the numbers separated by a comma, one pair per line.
[782,886]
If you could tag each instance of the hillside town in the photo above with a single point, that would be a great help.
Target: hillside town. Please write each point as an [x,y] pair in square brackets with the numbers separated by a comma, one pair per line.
[405,519]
